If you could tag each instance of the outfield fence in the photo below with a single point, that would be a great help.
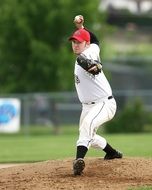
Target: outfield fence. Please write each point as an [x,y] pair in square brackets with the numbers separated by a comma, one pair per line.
[64,108]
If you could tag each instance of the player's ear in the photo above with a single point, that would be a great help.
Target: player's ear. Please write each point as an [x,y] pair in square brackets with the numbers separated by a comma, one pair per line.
[87,44]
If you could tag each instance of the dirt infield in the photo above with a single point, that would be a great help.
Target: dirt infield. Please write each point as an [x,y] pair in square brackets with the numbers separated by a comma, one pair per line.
[118,174]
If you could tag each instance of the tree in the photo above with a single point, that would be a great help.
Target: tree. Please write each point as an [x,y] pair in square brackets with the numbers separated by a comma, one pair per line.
[34,50]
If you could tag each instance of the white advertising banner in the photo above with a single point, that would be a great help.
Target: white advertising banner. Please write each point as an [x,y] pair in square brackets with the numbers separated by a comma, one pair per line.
[9,115]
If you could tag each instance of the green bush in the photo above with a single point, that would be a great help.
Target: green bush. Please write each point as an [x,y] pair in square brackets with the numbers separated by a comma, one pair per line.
[131,119]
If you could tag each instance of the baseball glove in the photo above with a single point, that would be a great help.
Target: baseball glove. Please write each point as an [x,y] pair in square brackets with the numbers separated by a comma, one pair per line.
[92,66]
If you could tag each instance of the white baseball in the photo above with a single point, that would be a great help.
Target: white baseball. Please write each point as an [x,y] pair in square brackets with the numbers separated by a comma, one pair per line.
[78,19]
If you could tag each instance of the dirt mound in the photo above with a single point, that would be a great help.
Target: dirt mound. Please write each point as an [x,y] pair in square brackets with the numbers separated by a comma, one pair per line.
[99,174]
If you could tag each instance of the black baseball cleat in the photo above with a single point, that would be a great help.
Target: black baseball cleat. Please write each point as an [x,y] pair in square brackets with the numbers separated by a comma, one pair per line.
[78,166]
[117,154]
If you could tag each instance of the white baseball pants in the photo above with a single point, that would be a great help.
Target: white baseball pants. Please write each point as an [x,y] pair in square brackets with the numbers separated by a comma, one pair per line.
[92,117]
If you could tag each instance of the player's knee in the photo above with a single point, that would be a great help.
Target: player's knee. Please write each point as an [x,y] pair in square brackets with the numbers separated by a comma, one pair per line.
[87,127]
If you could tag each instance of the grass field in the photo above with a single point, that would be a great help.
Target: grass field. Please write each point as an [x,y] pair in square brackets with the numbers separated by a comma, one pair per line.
[141,188]
[40,144]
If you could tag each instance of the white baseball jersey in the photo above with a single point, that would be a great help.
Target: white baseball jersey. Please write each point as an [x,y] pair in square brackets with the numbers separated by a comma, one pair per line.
[91,87]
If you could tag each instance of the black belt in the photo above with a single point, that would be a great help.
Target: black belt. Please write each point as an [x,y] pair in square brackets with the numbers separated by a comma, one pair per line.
[110,97]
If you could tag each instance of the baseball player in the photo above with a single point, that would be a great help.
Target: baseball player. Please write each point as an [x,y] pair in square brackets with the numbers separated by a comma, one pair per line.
[95,94]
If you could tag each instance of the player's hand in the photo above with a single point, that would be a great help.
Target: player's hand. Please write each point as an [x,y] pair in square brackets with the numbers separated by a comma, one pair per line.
[92,66]
[95,68]
[79,21]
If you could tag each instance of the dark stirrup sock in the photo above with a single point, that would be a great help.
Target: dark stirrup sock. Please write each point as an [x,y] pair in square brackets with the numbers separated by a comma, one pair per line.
[109,150]
[81,151]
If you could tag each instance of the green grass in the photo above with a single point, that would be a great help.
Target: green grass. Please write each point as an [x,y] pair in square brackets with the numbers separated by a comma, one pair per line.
[40,144]
[141,188]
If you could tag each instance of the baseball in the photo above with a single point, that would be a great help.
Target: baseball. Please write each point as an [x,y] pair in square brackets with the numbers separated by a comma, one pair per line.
[78,19]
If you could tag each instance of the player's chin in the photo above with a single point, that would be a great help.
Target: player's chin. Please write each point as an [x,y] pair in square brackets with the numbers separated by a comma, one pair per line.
[77,52]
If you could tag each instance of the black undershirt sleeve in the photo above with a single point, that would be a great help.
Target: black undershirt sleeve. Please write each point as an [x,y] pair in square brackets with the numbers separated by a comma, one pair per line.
[93,38]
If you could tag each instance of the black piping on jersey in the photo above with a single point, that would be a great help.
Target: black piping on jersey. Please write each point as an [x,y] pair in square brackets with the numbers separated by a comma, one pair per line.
[94,119]
[89,143]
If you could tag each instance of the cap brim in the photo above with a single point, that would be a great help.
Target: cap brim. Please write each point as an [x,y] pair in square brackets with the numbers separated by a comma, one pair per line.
[76,38]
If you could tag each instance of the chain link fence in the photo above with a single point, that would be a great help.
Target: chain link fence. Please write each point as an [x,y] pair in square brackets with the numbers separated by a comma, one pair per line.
[64,108]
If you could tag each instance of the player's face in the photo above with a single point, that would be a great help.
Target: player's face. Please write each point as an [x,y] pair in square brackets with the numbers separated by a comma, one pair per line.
[79,47]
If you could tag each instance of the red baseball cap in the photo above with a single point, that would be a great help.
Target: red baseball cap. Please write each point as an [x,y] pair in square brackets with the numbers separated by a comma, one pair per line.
[80,35]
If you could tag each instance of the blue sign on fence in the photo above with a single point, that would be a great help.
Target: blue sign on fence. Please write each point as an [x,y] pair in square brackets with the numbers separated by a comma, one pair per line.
[9,115]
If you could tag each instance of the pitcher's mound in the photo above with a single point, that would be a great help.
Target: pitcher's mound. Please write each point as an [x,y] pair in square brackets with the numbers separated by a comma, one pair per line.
[98,174]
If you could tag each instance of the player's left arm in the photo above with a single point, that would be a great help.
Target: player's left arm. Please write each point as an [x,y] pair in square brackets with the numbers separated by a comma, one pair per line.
[92,66]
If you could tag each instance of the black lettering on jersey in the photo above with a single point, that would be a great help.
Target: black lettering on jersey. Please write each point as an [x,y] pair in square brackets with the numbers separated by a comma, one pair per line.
[77,80]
